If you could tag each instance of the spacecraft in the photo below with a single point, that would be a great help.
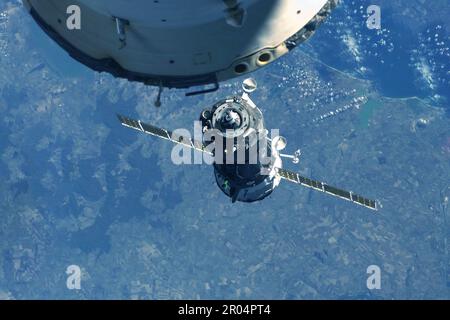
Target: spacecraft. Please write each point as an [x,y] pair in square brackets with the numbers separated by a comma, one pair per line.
[179,43]
[246,168]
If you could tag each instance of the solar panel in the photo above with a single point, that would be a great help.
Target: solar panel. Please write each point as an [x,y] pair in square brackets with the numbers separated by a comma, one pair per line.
[161,133]
[323,187]
[155,131]
[337,192]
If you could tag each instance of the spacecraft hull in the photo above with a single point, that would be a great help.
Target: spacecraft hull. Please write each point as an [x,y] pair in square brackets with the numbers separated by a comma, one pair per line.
[175,43]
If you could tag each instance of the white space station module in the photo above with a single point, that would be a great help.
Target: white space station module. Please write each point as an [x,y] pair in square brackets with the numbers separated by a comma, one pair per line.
[179,43]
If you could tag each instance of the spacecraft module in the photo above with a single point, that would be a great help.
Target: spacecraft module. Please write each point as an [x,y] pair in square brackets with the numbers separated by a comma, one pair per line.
[240,125]
[234,121]
[178,43]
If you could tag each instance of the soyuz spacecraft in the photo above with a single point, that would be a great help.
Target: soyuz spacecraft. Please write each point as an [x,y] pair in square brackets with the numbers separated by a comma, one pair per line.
[179,43]
[234,121]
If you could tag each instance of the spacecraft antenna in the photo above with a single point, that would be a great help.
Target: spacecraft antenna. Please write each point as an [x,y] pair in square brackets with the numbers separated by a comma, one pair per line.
[249,85]
[279,143]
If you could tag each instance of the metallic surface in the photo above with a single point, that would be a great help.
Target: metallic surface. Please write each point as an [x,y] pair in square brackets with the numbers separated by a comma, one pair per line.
[177,43]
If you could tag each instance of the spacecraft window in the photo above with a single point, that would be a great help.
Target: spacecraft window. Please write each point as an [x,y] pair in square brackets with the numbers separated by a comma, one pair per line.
[265,57]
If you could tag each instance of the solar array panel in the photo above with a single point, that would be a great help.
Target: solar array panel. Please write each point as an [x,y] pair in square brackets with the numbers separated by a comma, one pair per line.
[323,187]
[162,133]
